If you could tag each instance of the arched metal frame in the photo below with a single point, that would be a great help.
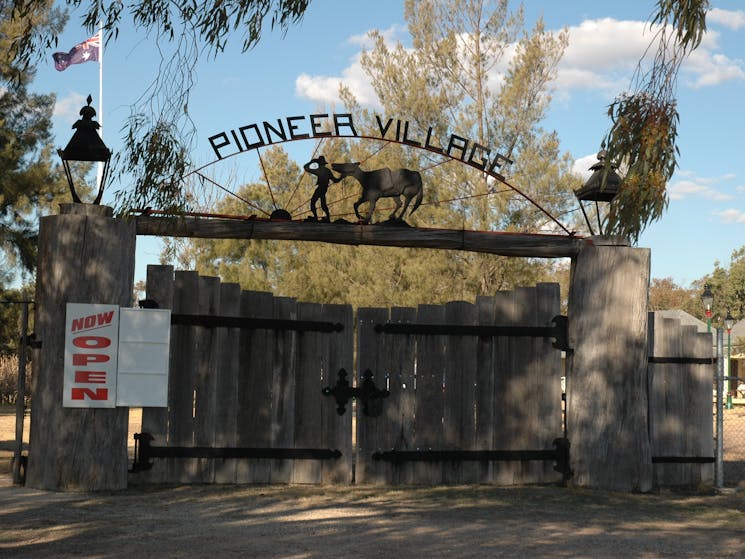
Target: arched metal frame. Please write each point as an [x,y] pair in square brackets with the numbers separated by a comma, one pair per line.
[489,172]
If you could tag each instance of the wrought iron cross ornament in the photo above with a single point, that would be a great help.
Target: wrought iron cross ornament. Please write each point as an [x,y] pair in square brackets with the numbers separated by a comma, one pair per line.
[370,395]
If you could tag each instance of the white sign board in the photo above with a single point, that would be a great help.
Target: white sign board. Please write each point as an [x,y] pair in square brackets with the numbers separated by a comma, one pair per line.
[144,338]
[91,342]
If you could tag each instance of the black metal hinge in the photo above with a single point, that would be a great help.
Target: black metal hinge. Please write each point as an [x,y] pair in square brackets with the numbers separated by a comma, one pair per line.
[683,360]
[216,321]
[559,454]
[682,459]
[145,452]
[558,331]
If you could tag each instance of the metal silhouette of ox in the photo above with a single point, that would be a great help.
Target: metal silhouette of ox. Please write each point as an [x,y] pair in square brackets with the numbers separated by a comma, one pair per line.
[384,183]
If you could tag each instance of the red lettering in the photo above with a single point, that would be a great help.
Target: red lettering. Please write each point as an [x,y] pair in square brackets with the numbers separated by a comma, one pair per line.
[91,342]
[92,321]
[81,393]
[90,377]
[82,359]
[105,318]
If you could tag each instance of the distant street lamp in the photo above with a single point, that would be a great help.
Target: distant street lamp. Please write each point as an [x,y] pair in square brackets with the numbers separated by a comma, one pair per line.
[729,322]
[602,186]
[86,145]
[707,298]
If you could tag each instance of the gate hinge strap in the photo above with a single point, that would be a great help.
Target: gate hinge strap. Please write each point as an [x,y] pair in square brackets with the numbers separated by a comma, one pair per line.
[558,331]
[145,452]
[245,323]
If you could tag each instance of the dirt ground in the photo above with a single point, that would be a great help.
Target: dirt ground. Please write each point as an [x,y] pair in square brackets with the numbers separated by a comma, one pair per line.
[313,522]
[303,522]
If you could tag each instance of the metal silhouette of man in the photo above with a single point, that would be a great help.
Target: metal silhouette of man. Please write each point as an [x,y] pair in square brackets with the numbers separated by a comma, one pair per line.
[324,177]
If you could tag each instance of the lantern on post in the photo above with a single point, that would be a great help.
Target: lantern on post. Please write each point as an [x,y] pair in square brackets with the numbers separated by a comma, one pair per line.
[86,145]
[707,298]
[598,190]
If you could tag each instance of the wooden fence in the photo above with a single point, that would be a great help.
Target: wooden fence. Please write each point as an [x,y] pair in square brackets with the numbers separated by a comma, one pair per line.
[239,387]
[455,392]
[262,388]
[680,378]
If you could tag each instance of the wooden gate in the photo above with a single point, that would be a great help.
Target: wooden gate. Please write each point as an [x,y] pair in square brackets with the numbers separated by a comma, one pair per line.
[680,376]
[241,386]
[461,391]
[248,372]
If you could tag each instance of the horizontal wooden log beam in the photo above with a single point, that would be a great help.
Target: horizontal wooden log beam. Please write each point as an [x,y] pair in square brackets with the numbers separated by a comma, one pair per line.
[504,244]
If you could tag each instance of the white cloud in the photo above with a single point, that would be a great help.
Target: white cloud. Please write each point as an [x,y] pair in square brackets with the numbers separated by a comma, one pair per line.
[710,69]
[68,107]
[390,36]
[731,216]
[733,19]
[696,187]
[582,165]
[325,89]
[602,55]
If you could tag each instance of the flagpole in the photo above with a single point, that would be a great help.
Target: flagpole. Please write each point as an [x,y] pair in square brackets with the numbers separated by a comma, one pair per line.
[99,174]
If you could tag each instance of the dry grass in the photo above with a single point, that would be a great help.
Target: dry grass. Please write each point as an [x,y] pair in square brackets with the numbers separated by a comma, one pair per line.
[9,379]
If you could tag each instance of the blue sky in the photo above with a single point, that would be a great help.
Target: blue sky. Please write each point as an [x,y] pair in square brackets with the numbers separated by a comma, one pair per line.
[299,73]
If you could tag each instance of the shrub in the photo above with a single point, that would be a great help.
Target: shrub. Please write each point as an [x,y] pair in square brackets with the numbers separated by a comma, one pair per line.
[9,379]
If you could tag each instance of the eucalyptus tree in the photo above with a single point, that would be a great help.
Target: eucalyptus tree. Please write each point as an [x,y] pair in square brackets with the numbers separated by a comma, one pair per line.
[158,134]
[473,70]
[30,181]
[644,119]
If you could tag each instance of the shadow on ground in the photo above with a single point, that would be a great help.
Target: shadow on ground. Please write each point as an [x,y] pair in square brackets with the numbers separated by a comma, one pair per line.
[310,521]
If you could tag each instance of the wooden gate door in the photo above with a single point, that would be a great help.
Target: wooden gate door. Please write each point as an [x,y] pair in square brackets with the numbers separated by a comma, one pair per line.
[679,377]
[465,405]
[245,390]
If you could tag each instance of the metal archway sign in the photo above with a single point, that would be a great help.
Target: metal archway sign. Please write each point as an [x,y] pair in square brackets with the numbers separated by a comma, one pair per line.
[231,142]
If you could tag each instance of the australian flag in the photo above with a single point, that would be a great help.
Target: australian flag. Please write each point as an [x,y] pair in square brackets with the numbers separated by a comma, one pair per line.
[87,51]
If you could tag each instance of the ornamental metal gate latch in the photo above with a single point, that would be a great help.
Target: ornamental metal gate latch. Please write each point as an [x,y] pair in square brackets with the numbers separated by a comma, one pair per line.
[370,395]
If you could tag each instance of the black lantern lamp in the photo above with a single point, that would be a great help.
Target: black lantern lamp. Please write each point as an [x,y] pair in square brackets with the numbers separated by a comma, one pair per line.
[707,298]
[594,190]
[729,322]
[86,145]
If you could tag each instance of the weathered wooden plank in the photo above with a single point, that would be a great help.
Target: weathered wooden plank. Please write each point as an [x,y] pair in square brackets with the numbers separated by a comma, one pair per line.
[371,437]
[429,398]
[543,407]
[701,412]
[521,387]
[205,387]
[401,407]
[160,287]
[485,367]
[284,364]
[337,430]
[182,377]
[459,430]
[83,258]
[254,387]
[505,414]
[505,244]
[227,346]
[606,385]
[312,361]
[664,381]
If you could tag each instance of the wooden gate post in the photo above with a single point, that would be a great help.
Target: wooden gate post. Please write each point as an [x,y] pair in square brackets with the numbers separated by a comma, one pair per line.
[85,256]
[606,378]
